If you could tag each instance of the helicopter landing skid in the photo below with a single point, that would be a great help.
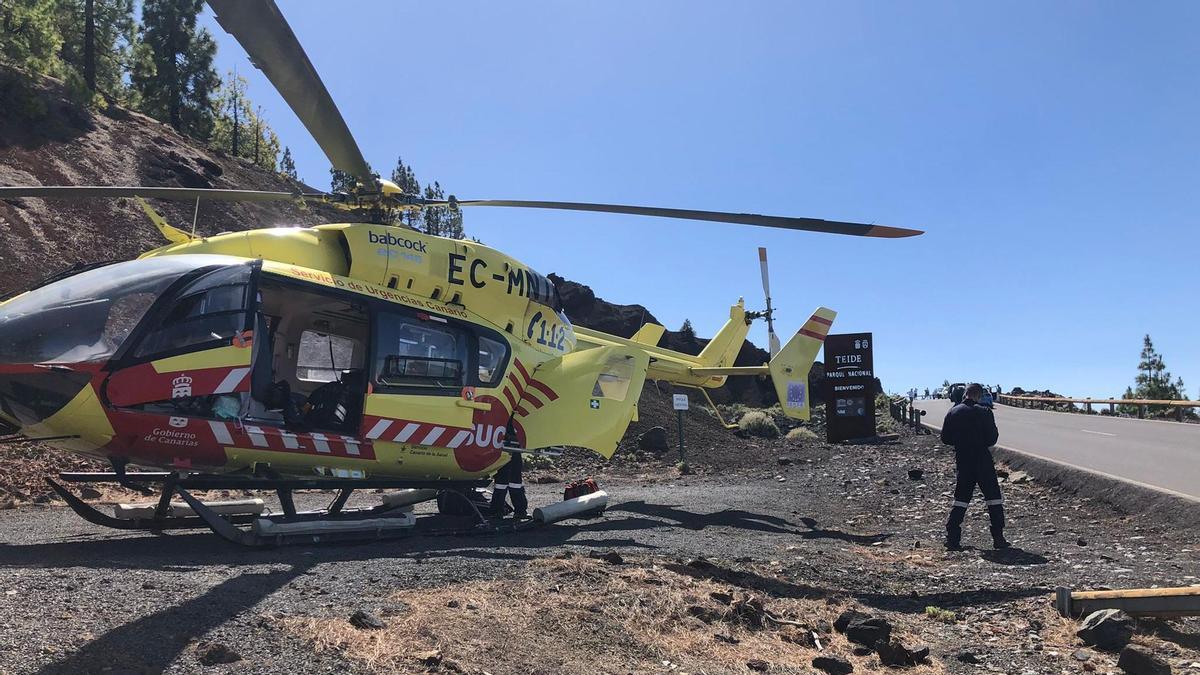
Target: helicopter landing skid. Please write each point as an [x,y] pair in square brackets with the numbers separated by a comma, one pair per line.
[330,525]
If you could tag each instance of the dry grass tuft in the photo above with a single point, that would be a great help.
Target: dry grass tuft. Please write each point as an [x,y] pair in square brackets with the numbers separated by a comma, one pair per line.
[801,434]
[581,614]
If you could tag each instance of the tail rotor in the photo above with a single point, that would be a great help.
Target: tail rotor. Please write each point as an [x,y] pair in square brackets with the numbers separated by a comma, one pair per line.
[773,339]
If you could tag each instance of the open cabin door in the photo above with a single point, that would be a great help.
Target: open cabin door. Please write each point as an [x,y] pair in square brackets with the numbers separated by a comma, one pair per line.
[585,398]
[196,342]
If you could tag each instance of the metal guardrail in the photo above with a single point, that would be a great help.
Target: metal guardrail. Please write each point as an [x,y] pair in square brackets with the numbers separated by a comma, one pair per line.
[1112,403]
[904,412]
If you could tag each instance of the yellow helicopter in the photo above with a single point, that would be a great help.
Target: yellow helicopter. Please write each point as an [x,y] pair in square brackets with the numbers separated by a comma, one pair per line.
[337,357]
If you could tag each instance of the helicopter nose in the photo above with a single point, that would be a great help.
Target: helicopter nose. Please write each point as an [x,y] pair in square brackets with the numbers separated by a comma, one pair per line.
[33,394]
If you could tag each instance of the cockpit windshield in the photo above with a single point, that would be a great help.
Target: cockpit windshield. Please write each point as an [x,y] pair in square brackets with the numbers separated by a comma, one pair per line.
[86,317]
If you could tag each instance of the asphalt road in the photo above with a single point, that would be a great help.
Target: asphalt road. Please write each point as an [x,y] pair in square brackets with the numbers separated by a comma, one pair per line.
[1164,455]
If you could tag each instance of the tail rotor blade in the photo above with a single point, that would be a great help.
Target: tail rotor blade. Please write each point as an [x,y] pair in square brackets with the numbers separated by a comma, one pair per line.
[772,339]
[762,263]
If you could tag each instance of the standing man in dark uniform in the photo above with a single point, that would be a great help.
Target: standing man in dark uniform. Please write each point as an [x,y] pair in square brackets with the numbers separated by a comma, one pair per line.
[971,429]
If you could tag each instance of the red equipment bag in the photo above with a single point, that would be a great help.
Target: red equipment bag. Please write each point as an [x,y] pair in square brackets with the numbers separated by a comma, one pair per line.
[579,488]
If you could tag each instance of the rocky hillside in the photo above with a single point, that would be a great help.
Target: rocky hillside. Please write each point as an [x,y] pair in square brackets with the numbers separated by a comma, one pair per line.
[47,139]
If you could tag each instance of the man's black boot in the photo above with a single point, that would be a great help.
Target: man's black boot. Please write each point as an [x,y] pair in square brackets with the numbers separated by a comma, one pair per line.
[998,540]
[996,513]
[954,528]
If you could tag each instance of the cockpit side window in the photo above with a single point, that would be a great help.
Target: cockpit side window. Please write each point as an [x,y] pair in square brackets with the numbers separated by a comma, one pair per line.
[208,311]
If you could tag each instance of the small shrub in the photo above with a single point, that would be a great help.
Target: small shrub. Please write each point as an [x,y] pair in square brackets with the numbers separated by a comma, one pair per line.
[777,414]
[758,423]
[939,614]
[801,434]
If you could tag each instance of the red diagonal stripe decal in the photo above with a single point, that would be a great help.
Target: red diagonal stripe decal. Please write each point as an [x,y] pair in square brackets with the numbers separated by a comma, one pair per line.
[820,319]
[544,389]
[524,373]
[512,402]
[521,411]
[516,383]
[811,334]
[532,400]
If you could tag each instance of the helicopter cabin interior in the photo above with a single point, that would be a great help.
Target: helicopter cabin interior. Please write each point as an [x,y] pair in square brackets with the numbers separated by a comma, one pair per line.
[313,363]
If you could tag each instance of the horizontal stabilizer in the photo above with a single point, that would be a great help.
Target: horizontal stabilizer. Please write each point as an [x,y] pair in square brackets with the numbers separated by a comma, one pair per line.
[649,334]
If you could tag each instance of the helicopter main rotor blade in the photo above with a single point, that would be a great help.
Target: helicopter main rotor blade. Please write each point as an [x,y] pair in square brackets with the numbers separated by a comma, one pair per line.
[266,36]
[809,224]
[173,193]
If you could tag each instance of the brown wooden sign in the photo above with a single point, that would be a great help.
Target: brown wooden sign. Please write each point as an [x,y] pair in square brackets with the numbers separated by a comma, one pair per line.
[849,387]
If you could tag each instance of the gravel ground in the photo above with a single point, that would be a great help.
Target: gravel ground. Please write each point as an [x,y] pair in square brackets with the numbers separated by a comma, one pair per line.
[843,524]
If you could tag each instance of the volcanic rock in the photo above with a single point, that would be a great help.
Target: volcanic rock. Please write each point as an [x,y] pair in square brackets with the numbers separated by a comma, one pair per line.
[654,440]
[869,632]
[1107,629]
[366,620]
[215,653]
[834,665]
[846,618]
[967,656]
[895,653]
[1137,660]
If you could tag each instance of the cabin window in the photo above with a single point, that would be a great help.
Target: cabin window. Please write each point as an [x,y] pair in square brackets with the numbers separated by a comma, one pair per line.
[412,353]
[322,357]
[614,379]
[209,311]
[492,356]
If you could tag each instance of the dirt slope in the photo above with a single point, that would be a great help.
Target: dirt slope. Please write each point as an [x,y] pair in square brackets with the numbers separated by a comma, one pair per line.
[68,145]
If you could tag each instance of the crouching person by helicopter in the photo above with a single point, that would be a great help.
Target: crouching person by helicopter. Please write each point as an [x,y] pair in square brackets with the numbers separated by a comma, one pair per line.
[509,486]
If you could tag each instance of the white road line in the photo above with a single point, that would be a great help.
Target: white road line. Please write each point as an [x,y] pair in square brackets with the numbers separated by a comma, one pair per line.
[1098,433]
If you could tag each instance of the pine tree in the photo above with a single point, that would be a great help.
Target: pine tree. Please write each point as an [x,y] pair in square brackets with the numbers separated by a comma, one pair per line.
[173,73]
[440,221]
[287,165]
[1153,381]
[340,181]
[29,37]
[686,332]
[404,177]
[97,39]
[239,130]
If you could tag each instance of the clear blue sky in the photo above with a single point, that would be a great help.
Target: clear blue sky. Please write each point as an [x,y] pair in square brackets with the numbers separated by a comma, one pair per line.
[1050,150]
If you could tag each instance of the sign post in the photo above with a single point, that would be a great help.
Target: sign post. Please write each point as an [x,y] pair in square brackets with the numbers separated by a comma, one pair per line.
[680,403]
[849,387]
